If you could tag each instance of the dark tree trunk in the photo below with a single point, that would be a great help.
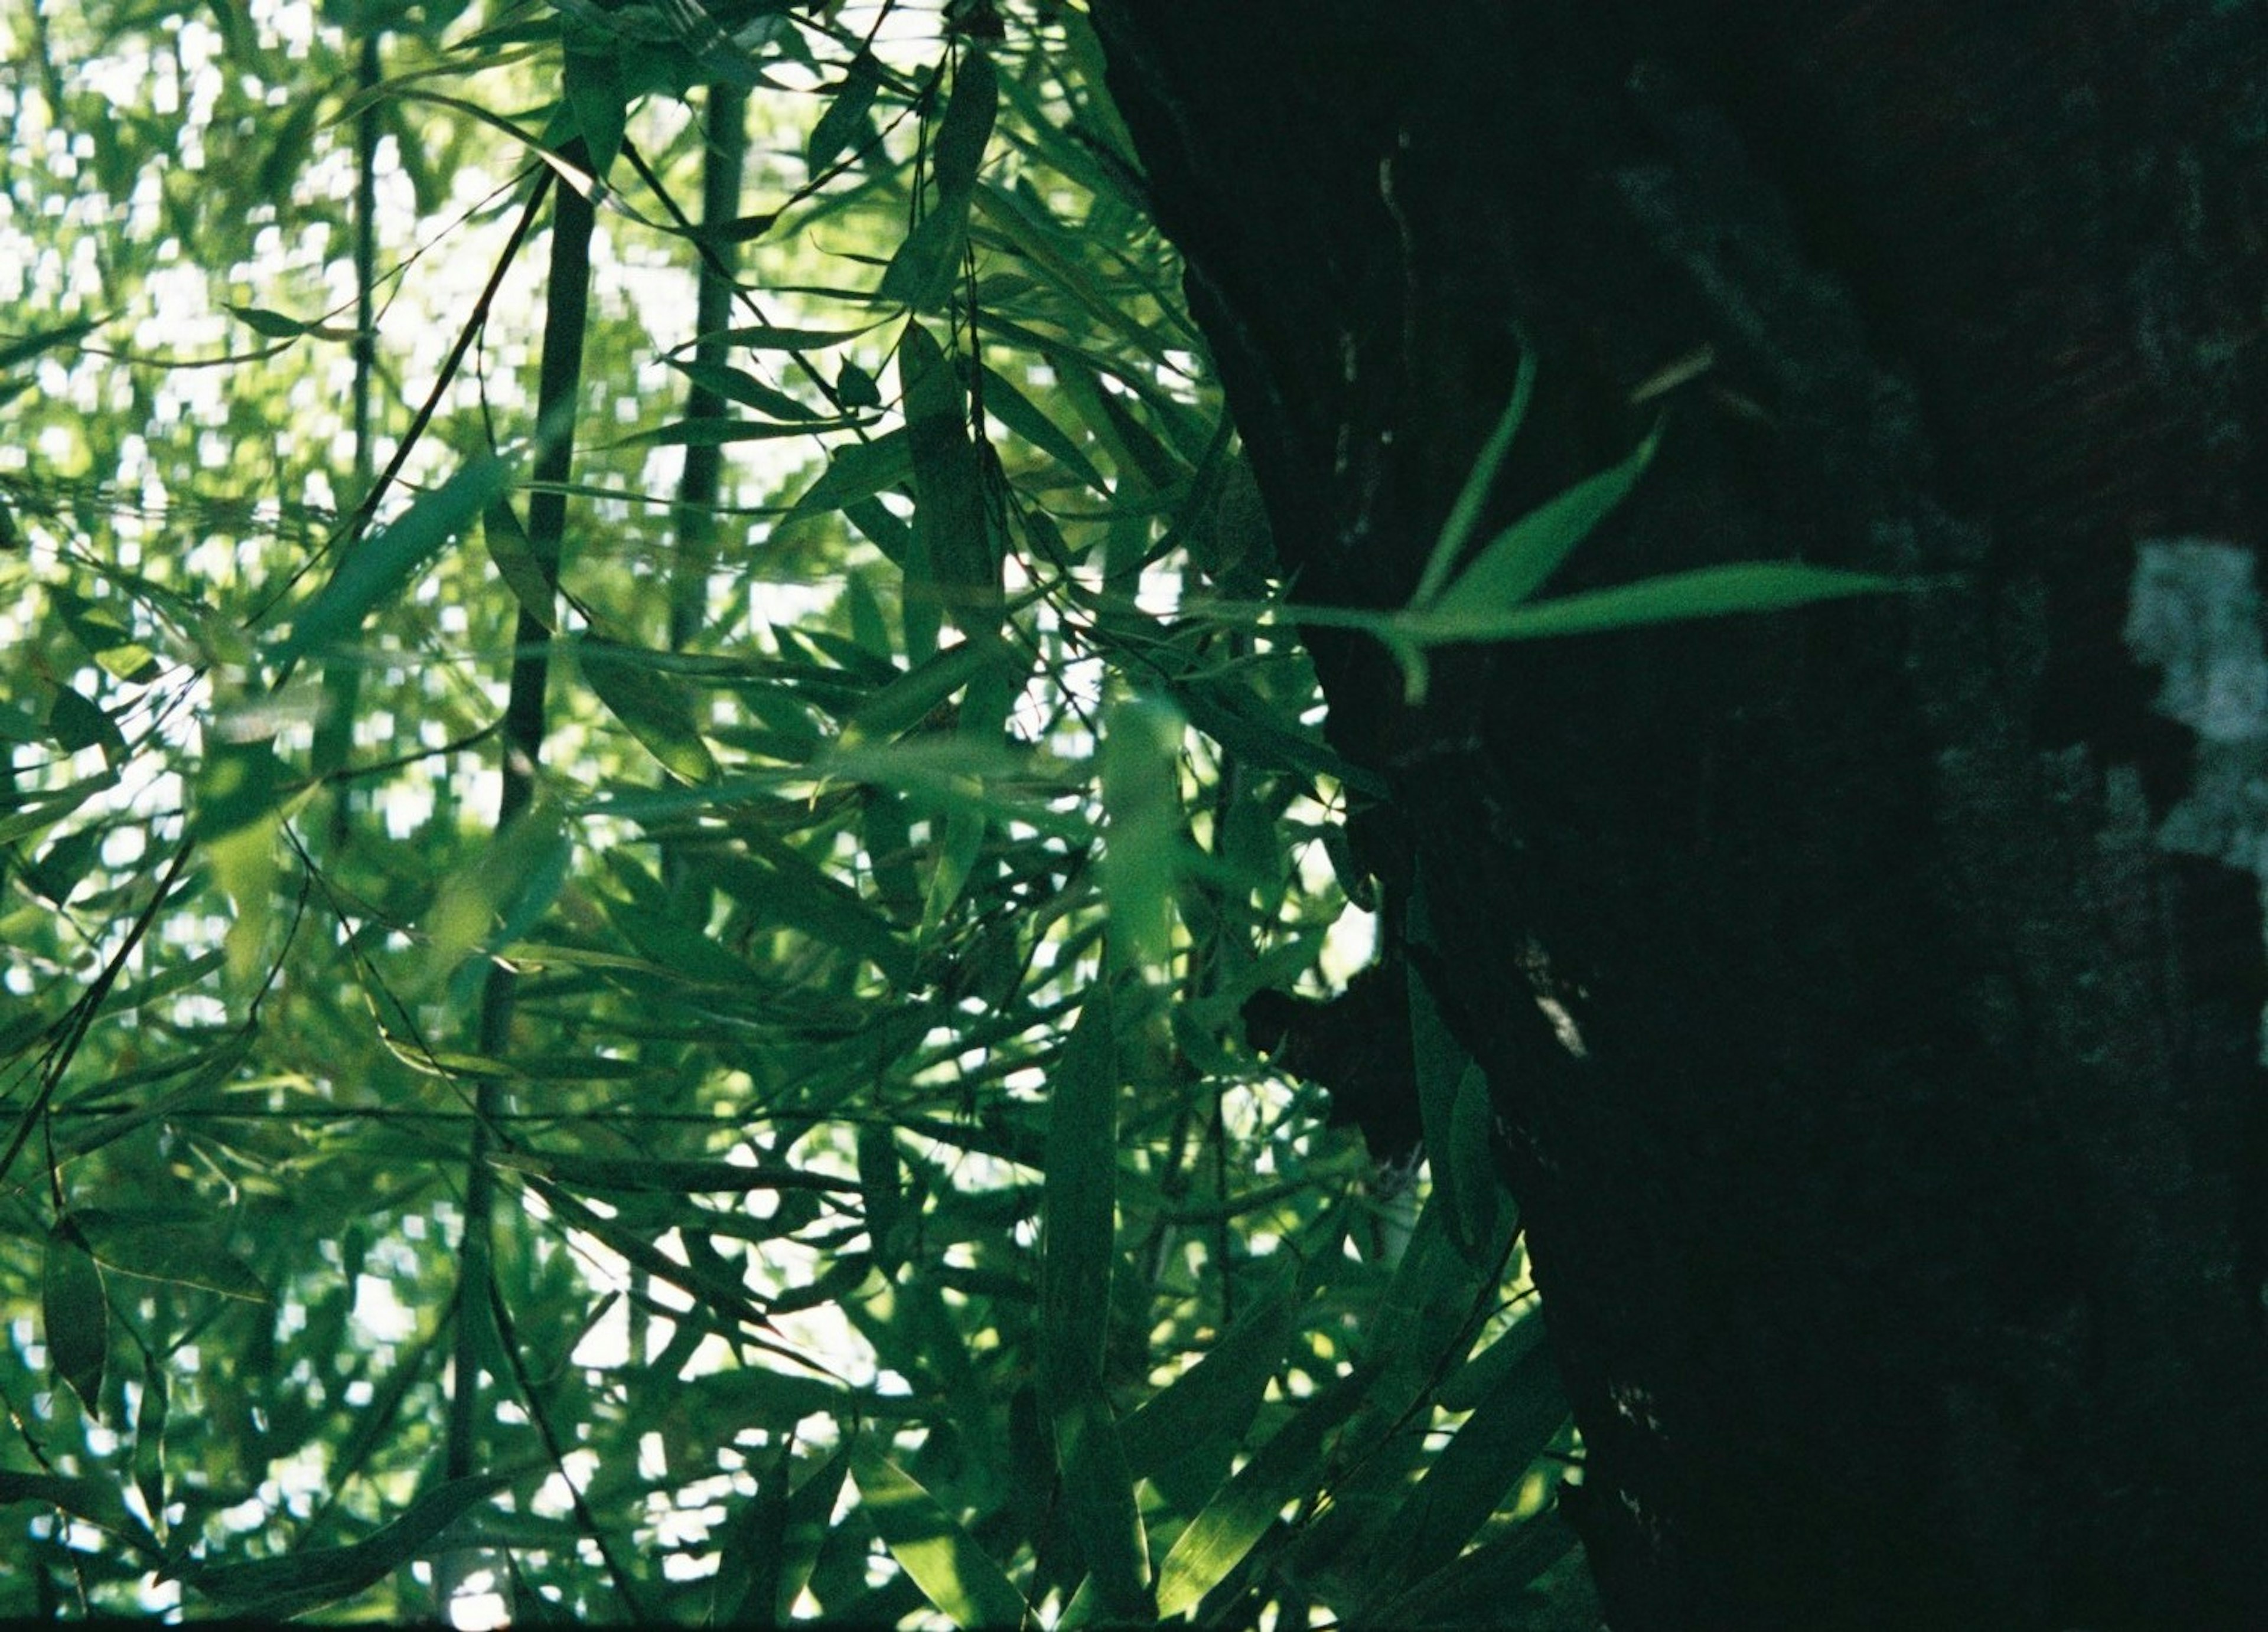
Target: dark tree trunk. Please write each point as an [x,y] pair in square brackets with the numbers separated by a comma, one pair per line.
[1898,1207]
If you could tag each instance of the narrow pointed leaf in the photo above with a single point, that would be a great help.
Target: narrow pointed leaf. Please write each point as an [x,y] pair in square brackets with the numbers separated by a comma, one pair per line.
[1706,593]
[656,707]
[75,1314]
[1514,564]
[845,117]
[953,1571]
[1465,514]
[383,565]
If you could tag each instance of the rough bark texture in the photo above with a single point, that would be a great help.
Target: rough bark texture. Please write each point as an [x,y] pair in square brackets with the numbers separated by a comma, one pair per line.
[1899,1213]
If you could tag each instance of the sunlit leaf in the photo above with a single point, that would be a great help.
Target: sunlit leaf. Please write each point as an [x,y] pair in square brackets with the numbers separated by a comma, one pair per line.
[953,1571]
[1239,1515]
[658,710]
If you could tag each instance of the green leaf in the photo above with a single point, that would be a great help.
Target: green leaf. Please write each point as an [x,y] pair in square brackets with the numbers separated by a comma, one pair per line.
[169,1250]
[667,1176]
[595,91]
[1079,1203]
[273,325]
[1485,1460]
[1465,514]
[1704,592]
[103,630]
[74,1313]
[524,862]
[1098,1498]
[533,583]
[1015,411]
[384,564]
[77,722]
[97,1500]
[857,471]
[658,710]
[772,337]
[313,1577]
[1291,1464]
[953,1571]
[238,783]
[24,348]
[63,865]
[1511,566]
[910,698]
[1186,1435]
[737,384]
[923,269]
[845,117]
[951,517]
[793,890]
[856,387]
[1141,794]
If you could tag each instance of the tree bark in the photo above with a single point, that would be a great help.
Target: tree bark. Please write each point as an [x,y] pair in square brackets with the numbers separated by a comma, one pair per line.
[1889,1119]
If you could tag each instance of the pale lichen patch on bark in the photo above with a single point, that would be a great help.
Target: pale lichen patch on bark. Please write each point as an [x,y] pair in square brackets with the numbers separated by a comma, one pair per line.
[2194,614]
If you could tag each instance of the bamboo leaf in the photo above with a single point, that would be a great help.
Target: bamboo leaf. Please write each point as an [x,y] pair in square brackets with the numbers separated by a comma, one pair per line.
[1511,566]
[384,564]
[923,269]
[75,1314]
[658,710]
[845,117]
[168,1250]
[953,1571]
[737,384]
[1015,411]
[1704,592]
[1141,792]
[1185,1436]
[24,348]
[313,1577]
[1465,514]
[857,471]
[1290,1463]
[951,518]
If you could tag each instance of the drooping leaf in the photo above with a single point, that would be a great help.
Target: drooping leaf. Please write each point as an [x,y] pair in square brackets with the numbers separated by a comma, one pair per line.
[180,1252]
[951,518]
[75,1314]
[1241,1513]
[1185,1437]
[273,325]
[595,91]
[857,471]
[1141,791]
[384,564]
[926,262]
[105,629]
[20,348]
[313,1577]
[78,722]
[655,707]
[953,1571]
[846,114]
[737,384]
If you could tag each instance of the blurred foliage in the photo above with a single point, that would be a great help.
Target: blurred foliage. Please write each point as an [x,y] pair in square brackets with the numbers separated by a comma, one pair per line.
[812,1141]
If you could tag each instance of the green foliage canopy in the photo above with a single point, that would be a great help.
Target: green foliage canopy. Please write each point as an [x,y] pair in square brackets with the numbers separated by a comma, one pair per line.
[625,918]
